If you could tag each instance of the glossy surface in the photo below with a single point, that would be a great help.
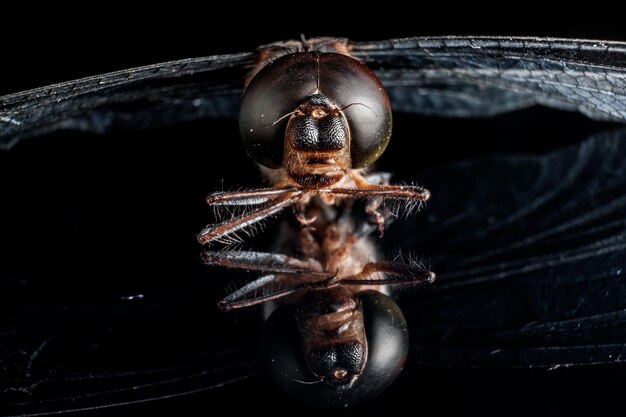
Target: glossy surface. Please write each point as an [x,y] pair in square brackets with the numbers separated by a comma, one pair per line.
[530,279]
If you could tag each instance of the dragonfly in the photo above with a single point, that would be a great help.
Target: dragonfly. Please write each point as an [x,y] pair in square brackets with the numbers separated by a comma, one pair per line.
[527,249]
[336,119]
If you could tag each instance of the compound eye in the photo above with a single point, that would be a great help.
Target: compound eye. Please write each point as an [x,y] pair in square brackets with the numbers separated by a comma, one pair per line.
[283,85]
[387,349]
[364,102]
[387,338]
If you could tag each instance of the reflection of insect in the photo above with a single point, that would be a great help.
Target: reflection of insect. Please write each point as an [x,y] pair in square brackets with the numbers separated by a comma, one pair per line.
[529,251]
[334,321]
[315,118]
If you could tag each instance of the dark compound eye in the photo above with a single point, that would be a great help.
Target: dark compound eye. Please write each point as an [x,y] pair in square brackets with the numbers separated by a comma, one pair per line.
[388,344]
[285,84]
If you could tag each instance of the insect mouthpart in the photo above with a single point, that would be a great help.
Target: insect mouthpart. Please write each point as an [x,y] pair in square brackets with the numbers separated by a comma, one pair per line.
[339,374]
[317,139]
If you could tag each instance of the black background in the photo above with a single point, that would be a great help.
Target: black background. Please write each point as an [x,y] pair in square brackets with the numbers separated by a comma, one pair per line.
[131,226]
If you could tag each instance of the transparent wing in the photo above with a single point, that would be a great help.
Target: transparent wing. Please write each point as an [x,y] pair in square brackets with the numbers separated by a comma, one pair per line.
[136,98]
[451,76]
[476,76]
[530,254]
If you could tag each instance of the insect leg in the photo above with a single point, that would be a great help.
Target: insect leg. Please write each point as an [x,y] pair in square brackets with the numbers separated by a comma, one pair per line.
[253,293]
[390,273]
[391,192]
[260,261]
[230,226]
[411,195]
[271,287]
[248,197]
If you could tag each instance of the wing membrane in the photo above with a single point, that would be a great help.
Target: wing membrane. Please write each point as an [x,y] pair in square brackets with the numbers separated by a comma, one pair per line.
[136,98]
[529,253]
[482,76]
[450,76]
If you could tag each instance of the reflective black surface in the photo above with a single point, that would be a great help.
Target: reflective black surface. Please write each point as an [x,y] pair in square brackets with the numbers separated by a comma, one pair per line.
[85,255]
[104,301]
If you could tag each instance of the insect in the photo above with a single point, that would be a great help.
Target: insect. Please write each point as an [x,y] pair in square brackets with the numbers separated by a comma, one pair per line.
[336,118]
[312,119]
[531,278]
